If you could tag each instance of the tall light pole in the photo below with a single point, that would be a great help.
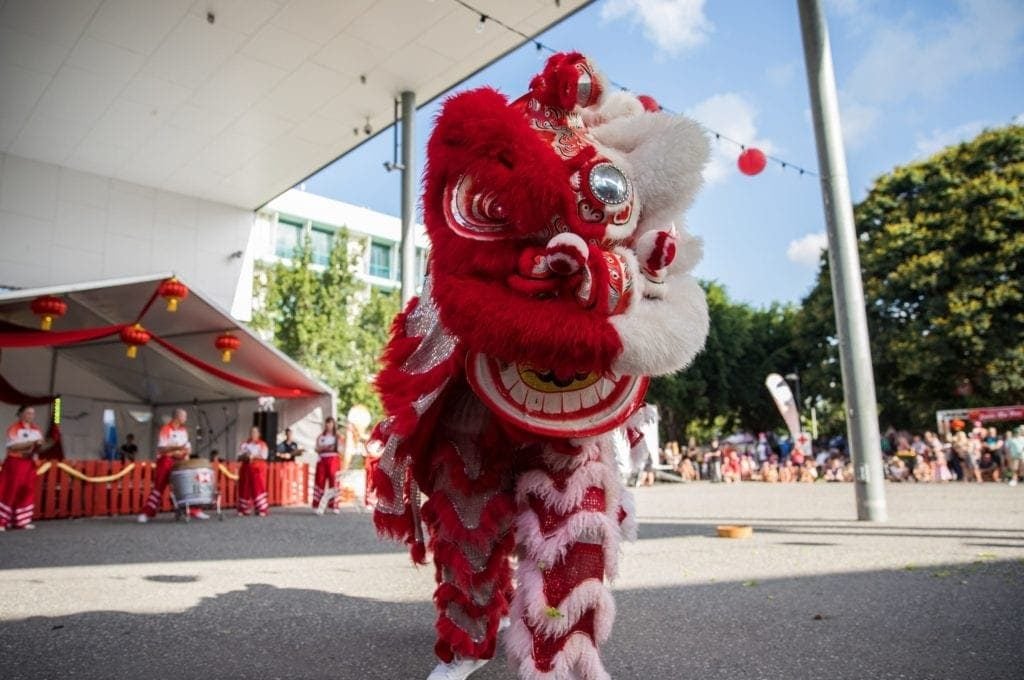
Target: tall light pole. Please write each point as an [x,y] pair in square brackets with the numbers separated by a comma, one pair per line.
[844,267]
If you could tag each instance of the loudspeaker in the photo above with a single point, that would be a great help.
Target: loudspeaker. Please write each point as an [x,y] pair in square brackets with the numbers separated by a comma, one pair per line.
[267,422]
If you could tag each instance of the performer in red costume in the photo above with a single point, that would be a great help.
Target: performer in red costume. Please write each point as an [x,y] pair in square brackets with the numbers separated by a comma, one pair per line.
[172,445]
[18,476]
[252,475]
[329,447]
[558,283]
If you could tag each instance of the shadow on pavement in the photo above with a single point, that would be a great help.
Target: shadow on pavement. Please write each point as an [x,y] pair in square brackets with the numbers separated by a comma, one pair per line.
[653,528]
[287,533]
[952,622]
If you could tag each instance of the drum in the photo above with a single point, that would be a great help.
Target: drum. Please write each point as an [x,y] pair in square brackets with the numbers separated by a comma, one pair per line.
[194,482]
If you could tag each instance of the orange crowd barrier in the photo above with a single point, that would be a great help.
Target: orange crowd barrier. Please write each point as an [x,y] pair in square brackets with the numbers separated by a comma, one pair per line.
[59,495]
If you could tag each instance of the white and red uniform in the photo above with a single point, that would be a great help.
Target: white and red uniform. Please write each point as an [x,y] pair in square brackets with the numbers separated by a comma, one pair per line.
[252,478]
[18,477]
[171,436]
[328,467]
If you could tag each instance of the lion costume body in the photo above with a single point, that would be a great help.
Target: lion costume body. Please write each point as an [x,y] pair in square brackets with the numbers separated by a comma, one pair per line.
[557,285]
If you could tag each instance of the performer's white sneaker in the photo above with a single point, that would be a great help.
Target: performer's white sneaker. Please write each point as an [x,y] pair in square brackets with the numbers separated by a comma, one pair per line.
[200,515]
[142,518]
[459,669]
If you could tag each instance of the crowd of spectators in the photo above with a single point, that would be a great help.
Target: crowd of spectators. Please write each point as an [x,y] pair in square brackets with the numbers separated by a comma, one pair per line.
[980,455]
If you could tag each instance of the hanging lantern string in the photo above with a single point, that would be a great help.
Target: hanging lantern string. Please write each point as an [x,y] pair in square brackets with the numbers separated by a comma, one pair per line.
[486,18]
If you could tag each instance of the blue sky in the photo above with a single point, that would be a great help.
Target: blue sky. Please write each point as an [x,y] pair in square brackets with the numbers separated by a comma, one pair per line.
[912,76]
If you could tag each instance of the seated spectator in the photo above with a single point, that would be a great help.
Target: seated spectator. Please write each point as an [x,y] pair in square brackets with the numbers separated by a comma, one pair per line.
[787,473]
[923,471]
[808,471]
[989,468]
[747,466]
[731,471]
[897,469]
[770,470]
[687,470]
[834,469]
[909,458]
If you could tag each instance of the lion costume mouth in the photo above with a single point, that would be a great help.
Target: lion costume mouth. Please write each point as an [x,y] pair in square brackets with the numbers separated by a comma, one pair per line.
[540,401]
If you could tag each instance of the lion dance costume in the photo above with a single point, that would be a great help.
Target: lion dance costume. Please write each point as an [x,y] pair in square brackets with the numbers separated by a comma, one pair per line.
[557,285]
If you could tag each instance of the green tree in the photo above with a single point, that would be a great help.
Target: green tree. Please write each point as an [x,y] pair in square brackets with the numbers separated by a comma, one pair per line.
[327,320]
[724,387]
[941,245]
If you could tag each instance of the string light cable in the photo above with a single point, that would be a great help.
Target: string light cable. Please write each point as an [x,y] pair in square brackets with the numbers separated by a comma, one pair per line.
[542,47]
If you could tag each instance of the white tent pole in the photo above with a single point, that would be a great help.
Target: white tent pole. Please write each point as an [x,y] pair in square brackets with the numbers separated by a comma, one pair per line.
[408,246]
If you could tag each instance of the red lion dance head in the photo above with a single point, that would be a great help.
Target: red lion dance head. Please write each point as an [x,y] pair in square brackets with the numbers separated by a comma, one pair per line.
[557,271]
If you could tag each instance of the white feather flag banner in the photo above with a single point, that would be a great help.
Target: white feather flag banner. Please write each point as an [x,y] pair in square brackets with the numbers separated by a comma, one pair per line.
[784,400]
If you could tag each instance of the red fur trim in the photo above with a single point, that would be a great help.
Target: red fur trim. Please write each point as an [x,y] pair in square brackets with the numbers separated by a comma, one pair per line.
[504,324]
[447,593]
[480,135]
[495,518]
[418,552]
[453,640]
[398,527]
[593,501]
[557,84]
[382,483]
[451,556]
[446,460]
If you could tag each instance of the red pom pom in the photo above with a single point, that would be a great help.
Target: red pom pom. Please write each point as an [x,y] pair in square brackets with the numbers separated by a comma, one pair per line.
[651,105]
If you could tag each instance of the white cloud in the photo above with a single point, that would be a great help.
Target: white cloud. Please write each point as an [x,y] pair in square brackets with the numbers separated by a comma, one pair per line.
[939,139]
[806,250]
[672,25]
[858,120]
[907,59]
[733,116]
[1018,119]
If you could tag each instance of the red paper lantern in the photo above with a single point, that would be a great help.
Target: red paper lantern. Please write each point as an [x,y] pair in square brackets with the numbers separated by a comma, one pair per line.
[957,425]
[751,161]
[48,307]
[227,344]
[135,337]
[173,291]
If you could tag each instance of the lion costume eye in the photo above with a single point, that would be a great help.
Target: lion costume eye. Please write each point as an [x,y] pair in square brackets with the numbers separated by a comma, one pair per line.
[608,184]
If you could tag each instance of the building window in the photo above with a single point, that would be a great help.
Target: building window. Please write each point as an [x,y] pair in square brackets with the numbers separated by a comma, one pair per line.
[380,260]
[288,237]
[322,240]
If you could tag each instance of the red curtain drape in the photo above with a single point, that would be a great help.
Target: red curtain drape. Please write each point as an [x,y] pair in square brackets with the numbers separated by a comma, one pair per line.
[269,390]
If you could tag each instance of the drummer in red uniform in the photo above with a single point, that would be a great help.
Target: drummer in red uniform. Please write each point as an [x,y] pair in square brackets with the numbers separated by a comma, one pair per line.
[172,445]
[252,476]
[18,476]
[329,447]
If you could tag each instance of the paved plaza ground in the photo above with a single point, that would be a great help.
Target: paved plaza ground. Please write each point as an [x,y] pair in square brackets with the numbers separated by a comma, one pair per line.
[937,592]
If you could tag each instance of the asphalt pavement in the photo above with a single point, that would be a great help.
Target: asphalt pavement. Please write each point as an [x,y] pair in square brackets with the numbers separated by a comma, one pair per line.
[936,592]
